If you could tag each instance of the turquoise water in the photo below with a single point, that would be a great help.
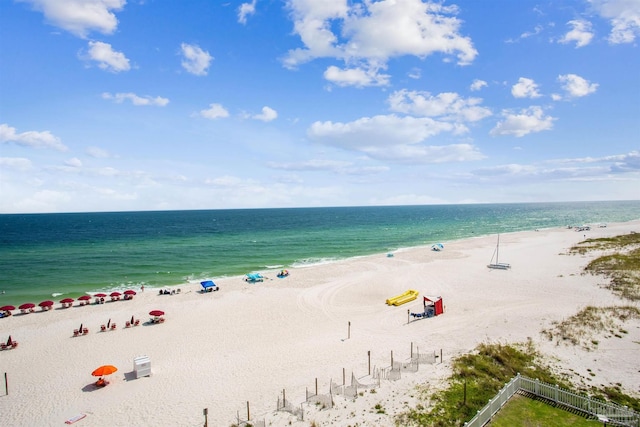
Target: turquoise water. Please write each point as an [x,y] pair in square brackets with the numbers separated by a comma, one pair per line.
[70,254]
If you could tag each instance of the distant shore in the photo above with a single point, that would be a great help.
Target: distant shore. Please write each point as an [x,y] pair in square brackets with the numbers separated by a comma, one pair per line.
[247,344]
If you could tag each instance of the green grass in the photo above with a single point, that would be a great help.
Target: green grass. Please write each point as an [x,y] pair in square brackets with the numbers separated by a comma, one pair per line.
[526,412]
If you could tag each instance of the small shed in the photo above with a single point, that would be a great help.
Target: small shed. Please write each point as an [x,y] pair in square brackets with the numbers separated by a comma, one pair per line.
[142,366]
[435,303]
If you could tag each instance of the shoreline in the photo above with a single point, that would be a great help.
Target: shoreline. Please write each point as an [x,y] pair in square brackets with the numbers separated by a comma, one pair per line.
[249,342]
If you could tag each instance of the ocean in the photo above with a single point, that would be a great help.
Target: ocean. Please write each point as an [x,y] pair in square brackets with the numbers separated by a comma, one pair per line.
[53,256]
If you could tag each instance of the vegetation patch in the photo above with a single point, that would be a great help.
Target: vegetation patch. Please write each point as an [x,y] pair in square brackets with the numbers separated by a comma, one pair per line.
[622,267]
[524,411]
[581,328]
[476,378]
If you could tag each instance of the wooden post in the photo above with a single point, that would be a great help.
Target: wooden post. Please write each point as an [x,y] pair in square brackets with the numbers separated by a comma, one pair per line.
[440,355]
[391,359]
[411,349]
[369,362]
[248,412]
[349,331]
[6,384]
[343,377]
[205,412]
[316,386]
[284,398]
[408,321]
[464,400]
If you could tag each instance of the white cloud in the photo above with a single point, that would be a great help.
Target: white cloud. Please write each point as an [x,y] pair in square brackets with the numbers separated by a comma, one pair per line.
[577,86]
[580,33]
[357,77]
[527,121]
[447,106]
[195,60]
[268,114]
[97,152]
[15,163]
[393,138]
[107,58]
[79,17]
[73,162]
[135,99]
[525,88]
[477,85]
[372,33]
[624,16]
[245,10]
[215,111]
[31,138]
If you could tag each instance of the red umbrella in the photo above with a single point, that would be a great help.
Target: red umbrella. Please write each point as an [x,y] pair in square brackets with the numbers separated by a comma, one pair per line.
[26,306]
[115,294]
[46,304]
[156,313]
[7,308]
[100,295]
[67,300]
[130,292]
[84,298]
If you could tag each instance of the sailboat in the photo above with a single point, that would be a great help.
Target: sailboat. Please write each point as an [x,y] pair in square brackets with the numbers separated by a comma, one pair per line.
[498,265]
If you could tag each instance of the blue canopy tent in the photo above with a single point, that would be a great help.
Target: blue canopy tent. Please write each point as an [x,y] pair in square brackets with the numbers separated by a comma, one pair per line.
[209,286]
[254,277]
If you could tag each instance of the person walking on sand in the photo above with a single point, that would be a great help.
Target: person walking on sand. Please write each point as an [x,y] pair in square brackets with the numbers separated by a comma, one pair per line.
[142,288]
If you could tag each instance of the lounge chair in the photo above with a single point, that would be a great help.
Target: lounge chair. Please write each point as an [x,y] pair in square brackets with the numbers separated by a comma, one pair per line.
[103,328]
[127,325]
[3,346]
[85,331]
[113,326]
[136,323]
[76,332]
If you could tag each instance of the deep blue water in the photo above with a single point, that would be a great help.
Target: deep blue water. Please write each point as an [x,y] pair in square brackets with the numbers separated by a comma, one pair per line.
[74,253]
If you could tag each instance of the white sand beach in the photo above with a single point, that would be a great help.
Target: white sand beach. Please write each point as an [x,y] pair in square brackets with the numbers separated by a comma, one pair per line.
[250,342]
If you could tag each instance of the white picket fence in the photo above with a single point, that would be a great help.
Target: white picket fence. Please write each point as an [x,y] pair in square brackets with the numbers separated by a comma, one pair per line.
[615,415]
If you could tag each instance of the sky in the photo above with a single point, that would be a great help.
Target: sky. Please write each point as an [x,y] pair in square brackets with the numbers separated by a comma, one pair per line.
[129,105]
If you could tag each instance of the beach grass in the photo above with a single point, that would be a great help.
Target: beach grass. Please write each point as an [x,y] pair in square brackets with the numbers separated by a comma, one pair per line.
[581,328]
[622,267]
[476,378]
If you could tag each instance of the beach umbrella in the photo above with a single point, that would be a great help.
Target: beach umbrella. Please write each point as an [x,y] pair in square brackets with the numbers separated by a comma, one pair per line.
[104,370]
[9,341]
[108,323]
[115,294]
[130,292]
[26,306]
[84,298]
[100,295]
[7,308]
[46,304]
[67,300]
[156,313]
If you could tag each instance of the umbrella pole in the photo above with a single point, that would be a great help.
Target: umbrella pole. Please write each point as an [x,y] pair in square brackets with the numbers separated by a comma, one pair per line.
[6,384]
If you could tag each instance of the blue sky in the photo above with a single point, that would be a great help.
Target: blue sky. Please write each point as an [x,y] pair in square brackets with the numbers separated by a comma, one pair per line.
[114,105]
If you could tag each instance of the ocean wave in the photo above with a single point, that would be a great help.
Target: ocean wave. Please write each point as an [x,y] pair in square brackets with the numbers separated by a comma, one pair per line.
[56,294]
[308,262]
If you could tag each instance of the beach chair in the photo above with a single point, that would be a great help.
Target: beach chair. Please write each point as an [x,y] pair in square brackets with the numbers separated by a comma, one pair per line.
[127,325]
[136,323]
[103,328]
[161,320]
[76,332]
[113,326]
[85,331]
[14,344]
[3,346]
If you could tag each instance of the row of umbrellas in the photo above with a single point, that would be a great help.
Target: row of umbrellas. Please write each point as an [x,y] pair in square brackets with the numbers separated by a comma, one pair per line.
[29,305]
